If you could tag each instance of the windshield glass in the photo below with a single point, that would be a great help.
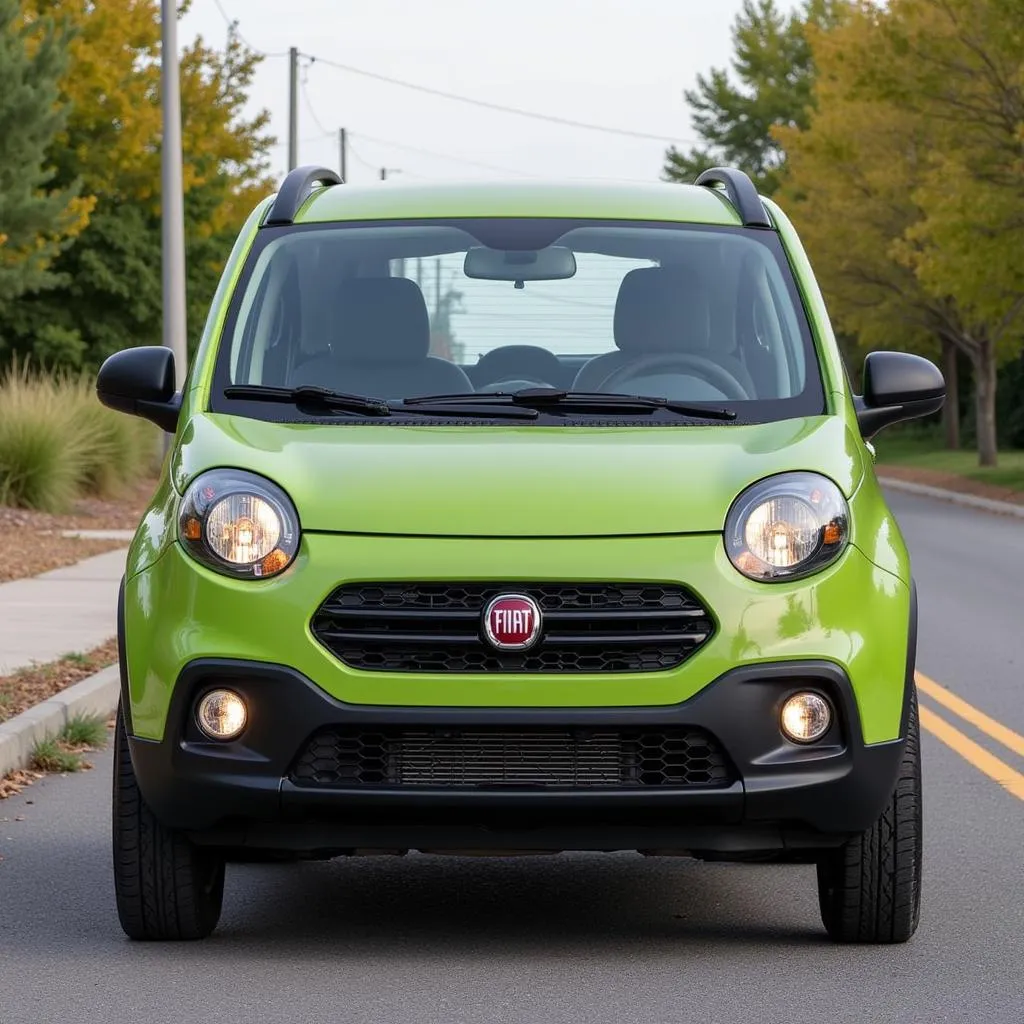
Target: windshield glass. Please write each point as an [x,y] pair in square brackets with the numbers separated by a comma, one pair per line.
[398,310]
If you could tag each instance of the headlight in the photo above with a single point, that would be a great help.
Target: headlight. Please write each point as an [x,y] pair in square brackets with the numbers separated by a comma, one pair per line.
[239,524]
[787,526]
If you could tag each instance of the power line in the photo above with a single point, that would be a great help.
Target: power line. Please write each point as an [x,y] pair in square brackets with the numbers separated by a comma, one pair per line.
[488,105]
[232,24]
[309,107]
[440,156]
[366,163]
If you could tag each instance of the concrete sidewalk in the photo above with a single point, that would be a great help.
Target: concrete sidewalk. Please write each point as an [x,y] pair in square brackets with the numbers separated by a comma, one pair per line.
[64,610]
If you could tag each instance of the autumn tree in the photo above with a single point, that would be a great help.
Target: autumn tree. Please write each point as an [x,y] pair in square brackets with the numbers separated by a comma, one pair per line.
[110,297]
[907,182]
[38,216]
[770,84]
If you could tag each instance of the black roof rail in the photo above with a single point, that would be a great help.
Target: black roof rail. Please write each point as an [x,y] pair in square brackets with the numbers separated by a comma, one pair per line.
[741,192]
[295,190]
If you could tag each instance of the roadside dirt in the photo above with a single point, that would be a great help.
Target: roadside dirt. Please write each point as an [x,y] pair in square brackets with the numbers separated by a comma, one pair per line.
[28,686]
[950,482]
[33,541]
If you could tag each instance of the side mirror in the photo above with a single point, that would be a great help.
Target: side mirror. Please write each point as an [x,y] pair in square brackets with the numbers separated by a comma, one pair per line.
[140,382]
[897,386]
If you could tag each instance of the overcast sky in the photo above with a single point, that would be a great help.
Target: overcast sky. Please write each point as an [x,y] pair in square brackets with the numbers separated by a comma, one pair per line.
[621,63]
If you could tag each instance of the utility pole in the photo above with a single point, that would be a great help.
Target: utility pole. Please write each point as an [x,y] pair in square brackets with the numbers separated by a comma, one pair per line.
[343,144]
[293,107]
[171,198]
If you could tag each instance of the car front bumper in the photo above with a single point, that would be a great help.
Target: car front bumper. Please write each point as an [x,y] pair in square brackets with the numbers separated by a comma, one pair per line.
[781,796]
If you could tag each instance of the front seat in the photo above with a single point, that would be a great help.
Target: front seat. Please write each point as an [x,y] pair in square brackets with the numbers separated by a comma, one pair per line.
[518,362]
[380,344]
[659,310]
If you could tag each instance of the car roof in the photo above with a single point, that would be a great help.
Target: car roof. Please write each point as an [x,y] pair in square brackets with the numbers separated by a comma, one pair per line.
[590,199]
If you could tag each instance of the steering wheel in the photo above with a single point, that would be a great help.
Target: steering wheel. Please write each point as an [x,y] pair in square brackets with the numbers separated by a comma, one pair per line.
[510,386]
[678,362]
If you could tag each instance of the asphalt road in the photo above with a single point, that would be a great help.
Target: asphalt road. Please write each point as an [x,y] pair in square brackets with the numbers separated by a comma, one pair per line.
[581,938]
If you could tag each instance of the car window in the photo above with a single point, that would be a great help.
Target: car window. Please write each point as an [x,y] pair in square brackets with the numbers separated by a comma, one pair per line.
[398,309]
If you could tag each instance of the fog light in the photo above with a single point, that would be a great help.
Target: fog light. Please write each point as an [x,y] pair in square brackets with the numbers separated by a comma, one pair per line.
[221,714]
[805,717]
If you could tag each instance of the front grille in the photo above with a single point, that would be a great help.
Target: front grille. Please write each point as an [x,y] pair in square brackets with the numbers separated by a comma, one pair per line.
[436,627]
[480,757]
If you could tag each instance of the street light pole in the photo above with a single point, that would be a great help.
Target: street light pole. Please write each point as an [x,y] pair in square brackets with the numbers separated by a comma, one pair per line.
[172,198]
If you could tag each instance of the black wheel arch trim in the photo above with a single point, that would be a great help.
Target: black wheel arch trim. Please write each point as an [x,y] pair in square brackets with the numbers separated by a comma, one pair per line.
[122,660]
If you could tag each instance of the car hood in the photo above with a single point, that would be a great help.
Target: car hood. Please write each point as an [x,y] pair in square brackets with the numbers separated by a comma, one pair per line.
[516,481]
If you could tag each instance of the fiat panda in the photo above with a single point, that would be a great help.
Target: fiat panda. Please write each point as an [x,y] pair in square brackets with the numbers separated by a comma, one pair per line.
[507,518]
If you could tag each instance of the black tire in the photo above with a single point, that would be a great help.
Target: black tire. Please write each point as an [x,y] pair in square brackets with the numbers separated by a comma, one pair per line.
[869,889]
[167,887]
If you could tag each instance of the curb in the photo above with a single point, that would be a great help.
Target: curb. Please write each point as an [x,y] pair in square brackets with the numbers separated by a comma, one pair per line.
[96,695]
[1004,508]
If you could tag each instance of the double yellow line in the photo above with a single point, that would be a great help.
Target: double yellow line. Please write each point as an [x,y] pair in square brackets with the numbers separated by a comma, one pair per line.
[1009,778]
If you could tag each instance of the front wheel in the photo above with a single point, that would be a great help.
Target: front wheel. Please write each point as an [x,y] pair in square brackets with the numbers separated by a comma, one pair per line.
[869,889]
[166,886]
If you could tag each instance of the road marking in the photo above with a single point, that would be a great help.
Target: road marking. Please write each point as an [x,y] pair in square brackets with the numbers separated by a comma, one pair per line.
[999,732]
[1011,780]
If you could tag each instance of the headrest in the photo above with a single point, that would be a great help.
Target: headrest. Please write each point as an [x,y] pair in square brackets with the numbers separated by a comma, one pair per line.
[511,362]
[381,319]
[662,310]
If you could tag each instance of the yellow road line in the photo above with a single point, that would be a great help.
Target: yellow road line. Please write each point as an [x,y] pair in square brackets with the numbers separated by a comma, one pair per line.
[1011,780]
[999,732]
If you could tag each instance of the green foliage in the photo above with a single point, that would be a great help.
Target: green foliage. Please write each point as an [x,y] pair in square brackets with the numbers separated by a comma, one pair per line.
[771,84]
[906,181]
[110,295]
[922,449]
[57,442]
[85,731]
[36,221]
[52,756]
[41,450]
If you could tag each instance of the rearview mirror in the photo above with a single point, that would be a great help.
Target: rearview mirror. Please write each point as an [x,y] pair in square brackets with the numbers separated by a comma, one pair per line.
[555,263]
[897,386]
[140,382]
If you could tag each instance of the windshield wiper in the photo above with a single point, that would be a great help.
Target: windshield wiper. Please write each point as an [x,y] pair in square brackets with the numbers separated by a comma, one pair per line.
[312,394]
[549,398]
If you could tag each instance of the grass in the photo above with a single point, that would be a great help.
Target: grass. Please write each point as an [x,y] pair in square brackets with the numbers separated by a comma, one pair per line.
[923,450]
[57,443]
[26,687]
[64,752]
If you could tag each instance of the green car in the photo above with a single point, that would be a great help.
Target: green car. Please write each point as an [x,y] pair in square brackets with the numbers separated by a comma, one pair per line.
[518,518]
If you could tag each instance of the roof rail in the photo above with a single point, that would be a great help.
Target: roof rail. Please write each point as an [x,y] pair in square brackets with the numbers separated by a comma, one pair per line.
[295,190]
[741,192]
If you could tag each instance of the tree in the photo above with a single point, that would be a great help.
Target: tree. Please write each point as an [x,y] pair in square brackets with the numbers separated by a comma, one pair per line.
[904,182]
[774,73]
[110,297]
[36,221]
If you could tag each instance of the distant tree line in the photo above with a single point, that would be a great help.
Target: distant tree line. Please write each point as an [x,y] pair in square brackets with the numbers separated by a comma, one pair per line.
[80,138]
[893,135]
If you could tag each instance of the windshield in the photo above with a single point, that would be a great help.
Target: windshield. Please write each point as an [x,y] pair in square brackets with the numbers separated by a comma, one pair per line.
[393,310]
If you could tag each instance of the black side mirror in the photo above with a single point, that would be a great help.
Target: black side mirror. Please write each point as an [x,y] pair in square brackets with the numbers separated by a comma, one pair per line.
[140,382]
[897,386]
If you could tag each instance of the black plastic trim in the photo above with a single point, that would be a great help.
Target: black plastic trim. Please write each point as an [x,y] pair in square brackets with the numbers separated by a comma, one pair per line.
[122,660]
[910,683]
[296,189]
[741,192]
[227,793]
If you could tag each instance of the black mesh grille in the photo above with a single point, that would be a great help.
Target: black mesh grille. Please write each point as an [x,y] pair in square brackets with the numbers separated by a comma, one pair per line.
[546,758]
[436,627]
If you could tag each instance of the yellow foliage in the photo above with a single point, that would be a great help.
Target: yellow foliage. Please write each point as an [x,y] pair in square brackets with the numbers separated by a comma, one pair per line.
[115,128]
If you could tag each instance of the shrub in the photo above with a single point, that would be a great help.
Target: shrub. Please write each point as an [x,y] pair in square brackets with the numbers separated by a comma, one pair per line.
[57,442]
[125,445]
[41,447]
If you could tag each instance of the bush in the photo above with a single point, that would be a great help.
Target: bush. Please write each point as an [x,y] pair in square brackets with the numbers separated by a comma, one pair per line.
[57,442]
[125,445]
